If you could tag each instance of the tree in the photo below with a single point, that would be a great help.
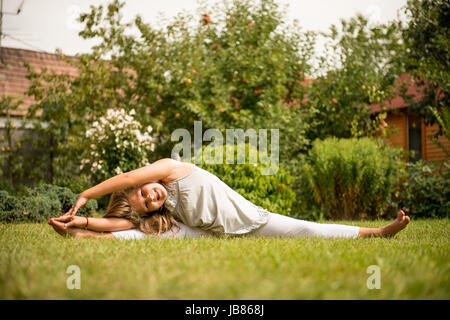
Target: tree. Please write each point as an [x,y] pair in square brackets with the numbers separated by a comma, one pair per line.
[427,36]
[358,68]
[240,66]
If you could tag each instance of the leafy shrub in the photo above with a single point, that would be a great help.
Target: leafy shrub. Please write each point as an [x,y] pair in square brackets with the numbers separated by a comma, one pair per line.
[76,184]
[116,144]
[41,204]
[272,192]
[426,191]
[40,208]
[10,207]
[349,178]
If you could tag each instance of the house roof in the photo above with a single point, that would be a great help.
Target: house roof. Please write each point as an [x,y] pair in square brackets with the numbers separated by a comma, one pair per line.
[397,102]
[13,81]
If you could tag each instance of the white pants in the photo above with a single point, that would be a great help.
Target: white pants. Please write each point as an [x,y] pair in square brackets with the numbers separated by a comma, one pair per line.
[277,226]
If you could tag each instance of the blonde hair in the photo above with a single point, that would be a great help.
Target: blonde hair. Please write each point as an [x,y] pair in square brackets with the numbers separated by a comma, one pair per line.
[155,222]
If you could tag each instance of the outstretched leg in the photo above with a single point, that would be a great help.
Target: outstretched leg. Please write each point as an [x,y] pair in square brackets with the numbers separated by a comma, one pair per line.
[280,225]
[78,233]
[180,231]
[387,231]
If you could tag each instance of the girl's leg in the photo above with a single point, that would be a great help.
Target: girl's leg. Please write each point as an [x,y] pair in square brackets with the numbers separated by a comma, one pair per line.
[389,230]
[78,233]
[182,231]
[279,225]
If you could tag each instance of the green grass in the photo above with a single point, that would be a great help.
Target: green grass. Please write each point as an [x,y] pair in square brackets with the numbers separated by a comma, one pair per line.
[414,265]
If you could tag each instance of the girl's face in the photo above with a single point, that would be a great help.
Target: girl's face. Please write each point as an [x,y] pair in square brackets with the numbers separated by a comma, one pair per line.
[147,197]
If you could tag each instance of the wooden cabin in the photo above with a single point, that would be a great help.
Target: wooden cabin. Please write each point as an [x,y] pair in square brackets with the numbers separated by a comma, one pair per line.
[409,130]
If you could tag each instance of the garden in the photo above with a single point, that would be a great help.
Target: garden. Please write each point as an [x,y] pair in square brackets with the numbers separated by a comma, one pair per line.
[239,66]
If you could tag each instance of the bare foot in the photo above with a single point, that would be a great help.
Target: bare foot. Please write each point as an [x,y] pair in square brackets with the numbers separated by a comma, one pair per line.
[399,224]
[59,227]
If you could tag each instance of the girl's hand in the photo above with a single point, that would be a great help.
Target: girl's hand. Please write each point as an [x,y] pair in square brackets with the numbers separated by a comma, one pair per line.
[81,202]
[69,215]
[77,222]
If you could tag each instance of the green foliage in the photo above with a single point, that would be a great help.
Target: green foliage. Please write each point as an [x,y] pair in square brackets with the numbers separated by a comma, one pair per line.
[115,144]
[239,66]
[349,178]
[427,36]
[444,123]
[426,191]
[357,69]
[11,160]
[272,192]
[40,204]
[76,184]
[242,67]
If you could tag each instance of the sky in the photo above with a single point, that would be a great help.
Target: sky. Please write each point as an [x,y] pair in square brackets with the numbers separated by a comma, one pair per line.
[45,25]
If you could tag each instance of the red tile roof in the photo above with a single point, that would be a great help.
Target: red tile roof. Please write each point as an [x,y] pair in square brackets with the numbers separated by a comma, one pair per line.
[397,102]
[13,73]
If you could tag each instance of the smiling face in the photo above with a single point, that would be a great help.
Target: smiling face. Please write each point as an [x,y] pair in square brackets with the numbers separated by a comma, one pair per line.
[147,198]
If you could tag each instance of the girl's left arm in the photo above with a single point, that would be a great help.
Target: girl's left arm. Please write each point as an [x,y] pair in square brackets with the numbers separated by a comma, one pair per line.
[158,170]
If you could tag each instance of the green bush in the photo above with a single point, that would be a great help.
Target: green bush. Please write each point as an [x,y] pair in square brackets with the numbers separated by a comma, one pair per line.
[349,178]
[272,192]
[40,208]
[77,184]
[426,191]
[10,207]
[40,204]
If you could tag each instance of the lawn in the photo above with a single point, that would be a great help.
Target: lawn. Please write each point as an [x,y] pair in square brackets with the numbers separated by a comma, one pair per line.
[414,265]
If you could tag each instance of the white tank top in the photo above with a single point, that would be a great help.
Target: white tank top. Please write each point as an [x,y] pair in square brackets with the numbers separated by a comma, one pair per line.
[202,200]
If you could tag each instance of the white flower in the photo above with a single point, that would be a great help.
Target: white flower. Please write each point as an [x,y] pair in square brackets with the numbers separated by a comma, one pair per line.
[118,170]
[149,128]
[132,112]
[168,76]
[89,133]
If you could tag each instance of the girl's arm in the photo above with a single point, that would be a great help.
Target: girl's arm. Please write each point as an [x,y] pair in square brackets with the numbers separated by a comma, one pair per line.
[100,224]
[158,170]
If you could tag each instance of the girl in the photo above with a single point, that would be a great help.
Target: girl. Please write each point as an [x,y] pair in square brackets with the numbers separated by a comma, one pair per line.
[170,198]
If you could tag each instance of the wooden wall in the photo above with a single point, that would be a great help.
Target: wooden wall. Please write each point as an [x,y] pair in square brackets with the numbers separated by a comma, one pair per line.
[397,123]
[430,151]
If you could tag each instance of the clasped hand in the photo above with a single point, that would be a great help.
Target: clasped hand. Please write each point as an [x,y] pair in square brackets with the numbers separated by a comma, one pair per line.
[70,219]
